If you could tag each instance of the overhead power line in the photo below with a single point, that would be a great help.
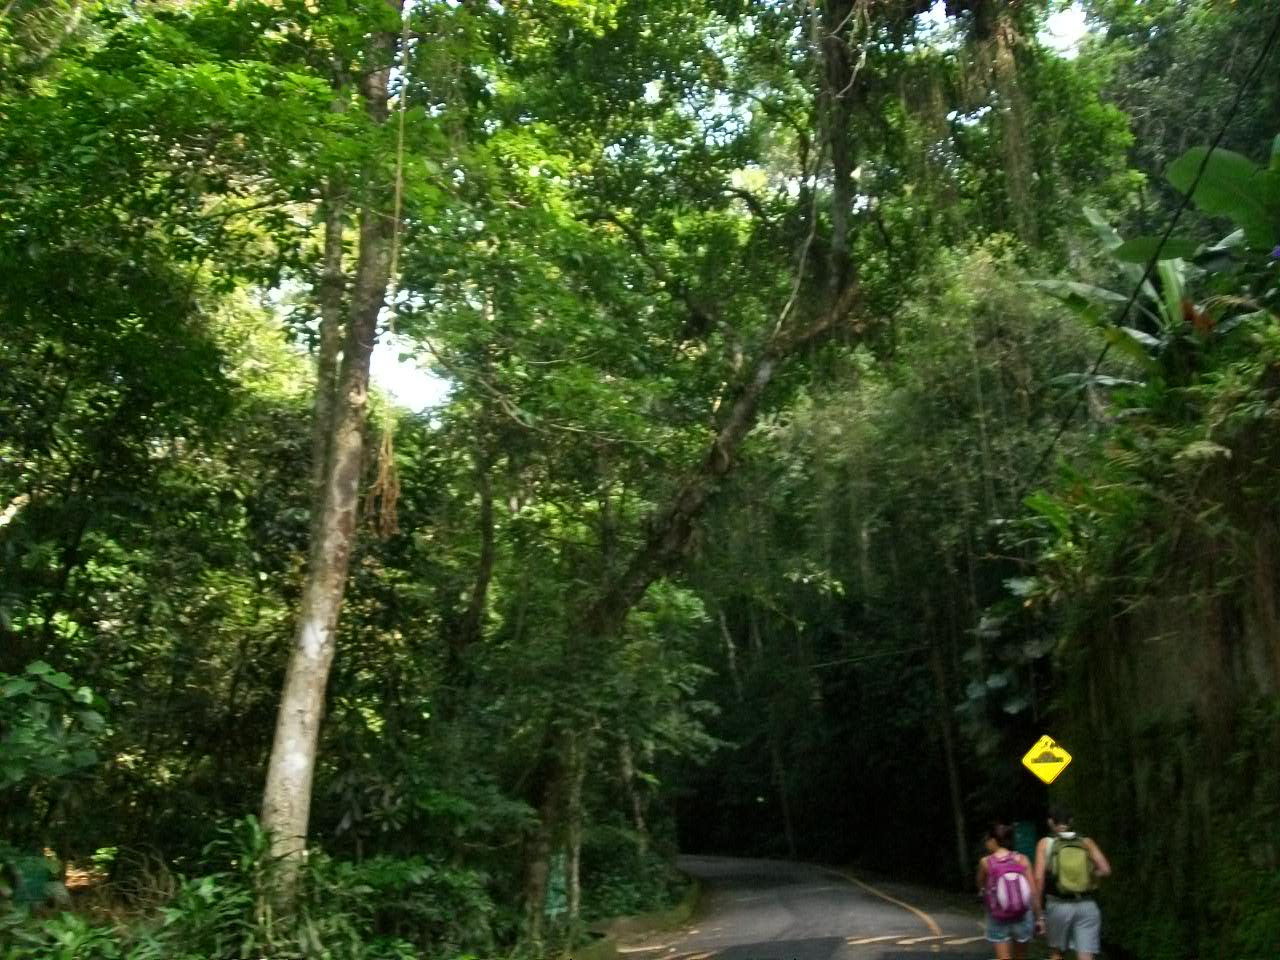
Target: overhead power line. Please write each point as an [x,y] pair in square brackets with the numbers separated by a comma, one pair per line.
[1245,84]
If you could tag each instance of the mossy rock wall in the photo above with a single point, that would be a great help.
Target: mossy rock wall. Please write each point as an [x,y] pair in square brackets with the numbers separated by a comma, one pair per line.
[1172,710]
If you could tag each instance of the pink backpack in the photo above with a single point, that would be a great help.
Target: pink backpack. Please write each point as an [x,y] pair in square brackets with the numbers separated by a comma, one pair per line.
[1008,892]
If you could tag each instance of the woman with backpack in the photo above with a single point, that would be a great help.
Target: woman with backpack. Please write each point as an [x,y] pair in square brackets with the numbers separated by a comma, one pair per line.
[1007,883]
[1068,868]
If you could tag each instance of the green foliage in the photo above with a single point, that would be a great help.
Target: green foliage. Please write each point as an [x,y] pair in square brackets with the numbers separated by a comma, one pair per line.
[863,546]
[50,727]
[1244,873]
[382,909]
[625,876]
[606,209]
[1232,186]
[1208,390]
[51,732]
[1178,473]
[1174,67]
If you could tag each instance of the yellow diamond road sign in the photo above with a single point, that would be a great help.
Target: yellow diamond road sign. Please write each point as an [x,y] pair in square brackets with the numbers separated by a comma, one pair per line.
[1046,759]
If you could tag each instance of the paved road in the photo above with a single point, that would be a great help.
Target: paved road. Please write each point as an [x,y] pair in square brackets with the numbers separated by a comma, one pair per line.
[770,910]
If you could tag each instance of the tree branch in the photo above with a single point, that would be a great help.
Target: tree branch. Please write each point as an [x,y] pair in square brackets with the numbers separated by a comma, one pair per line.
[753,204]
[671,528]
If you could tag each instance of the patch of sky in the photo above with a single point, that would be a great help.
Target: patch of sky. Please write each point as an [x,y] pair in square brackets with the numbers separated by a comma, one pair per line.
[970,118]
[393,367]
[1062,31]
[395,370]
[721,119]
[935,29]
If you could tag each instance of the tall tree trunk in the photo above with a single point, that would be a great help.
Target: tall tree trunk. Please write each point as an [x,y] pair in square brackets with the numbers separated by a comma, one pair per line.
[938,668]
[627,768]
[71,561]
[537,874]
[469,628]
[784,800]
[999,49]
[839,79]
[777,767]
[573,825]
[980,400]
[286,805]
[331,292]
[731,656]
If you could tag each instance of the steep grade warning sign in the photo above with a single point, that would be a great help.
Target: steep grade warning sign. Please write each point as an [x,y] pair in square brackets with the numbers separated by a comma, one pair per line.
[1046,759]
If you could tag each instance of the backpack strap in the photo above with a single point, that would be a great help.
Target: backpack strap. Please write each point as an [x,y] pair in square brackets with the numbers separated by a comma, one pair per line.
[1050,870]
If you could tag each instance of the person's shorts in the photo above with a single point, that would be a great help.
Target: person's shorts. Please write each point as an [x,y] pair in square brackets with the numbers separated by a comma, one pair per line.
[1019,931]
[1073,925]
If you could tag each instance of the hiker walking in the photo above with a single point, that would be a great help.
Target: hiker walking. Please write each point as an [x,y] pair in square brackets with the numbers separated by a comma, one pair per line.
[1008,886]
[1068,868]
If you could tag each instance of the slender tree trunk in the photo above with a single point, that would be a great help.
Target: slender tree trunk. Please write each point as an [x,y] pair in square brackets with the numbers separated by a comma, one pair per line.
[839,79]
[731,655]
[71,560]
[949,752]
[784,801]
[1013,127]
[469,628]
[627,768]
[286,805]
[573,824]
[331,296]
[538,856]
[777,767]
[984,441]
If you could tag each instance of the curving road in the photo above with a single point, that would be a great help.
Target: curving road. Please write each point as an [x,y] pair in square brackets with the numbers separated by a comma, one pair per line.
[772,910]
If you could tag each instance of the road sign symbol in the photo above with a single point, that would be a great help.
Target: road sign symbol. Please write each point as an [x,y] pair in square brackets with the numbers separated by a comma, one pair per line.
[1046,759]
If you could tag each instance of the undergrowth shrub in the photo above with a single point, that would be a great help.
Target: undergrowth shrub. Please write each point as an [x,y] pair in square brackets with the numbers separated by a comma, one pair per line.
[620,878]
[380,909]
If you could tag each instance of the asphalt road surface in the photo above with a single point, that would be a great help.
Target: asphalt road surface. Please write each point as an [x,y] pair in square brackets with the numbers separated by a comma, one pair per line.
[771,910]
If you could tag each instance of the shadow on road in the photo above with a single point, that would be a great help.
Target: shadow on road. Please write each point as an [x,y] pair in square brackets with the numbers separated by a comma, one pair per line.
[816,948]
[824,948]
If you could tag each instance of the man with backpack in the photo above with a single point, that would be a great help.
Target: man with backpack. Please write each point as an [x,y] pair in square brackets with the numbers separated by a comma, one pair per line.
[1068,868]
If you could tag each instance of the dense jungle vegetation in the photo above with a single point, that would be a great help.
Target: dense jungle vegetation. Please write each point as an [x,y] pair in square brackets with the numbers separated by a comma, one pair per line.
[825,411]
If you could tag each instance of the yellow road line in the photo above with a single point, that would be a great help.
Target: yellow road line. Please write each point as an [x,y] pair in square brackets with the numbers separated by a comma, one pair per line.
[920,914]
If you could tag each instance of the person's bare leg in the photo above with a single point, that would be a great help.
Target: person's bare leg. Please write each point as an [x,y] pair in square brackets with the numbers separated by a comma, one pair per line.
[1018,951]
[1003,951]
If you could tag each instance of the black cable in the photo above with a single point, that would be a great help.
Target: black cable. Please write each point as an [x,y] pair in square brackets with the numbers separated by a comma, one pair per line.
[1155,255]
